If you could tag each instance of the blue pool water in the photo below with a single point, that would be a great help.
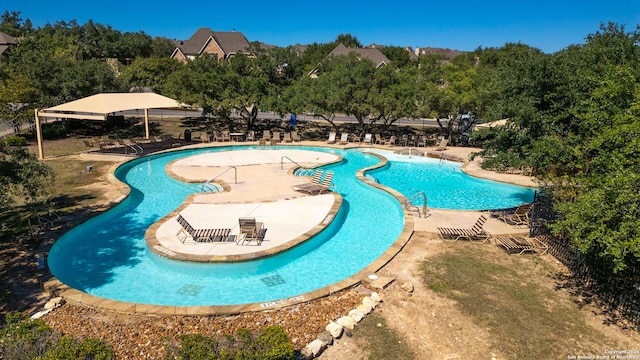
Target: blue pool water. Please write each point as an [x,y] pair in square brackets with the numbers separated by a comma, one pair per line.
[107,256]
[445,185]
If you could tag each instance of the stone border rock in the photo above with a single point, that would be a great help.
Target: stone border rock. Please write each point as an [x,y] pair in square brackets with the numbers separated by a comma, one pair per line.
[335,329]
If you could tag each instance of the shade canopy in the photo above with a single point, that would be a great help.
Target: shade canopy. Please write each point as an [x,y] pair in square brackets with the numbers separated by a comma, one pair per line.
[99,106]
[492,124]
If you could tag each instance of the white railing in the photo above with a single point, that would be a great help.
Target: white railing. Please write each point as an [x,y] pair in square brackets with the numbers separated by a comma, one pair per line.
[206,187]
[408,204]
[288,158]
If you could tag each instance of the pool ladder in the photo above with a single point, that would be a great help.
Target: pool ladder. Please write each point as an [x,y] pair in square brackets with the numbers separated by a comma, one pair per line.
[421,210]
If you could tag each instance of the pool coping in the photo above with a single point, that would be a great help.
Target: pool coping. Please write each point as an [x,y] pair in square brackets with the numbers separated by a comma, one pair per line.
[56,288]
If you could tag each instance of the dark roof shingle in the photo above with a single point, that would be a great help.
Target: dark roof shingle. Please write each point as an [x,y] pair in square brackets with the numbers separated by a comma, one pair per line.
[375,55]
[229,42]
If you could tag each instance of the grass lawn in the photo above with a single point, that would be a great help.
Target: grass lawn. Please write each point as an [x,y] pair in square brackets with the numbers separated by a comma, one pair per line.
[517,299]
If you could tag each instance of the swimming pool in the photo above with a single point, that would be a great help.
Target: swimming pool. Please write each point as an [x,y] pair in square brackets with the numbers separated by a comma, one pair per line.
[107,256]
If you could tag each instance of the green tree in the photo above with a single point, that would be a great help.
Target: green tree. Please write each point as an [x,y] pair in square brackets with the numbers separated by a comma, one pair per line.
[575,117]
[342,85]
[162,47]
[398,55]
[23,177]
[12,24]
[151,72]
[17,98]
[348,40]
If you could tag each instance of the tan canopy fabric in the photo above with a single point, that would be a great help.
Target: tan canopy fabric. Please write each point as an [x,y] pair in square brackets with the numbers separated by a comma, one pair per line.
[492,124]
[99,106]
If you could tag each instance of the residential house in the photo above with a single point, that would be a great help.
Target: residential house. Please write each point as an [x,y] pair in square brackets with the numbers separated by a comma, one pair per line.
[448,54]
[222,45]
[373,54]
[5,42]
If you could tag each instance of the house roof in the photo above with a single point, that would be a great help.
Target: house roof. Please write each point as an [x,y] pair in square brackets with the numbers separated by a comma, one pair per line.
[5,41]
[230,42]
[375,55]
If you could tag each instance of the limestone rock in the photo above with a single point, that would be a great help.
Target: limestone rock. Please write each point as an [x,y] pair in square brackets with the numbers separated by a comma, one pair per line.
[407,286]
[347,322]
[54,303]
[313,349]
[368,302]
[325,337]
[365,309]
[356,315]
[376,297]
[334,329]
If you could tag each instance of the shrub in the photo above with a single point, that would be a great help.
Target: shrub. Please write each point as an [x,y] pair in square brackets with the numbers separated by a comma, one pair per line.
[271,343]
[53,131]
[25,338]
[16,140]
[71,349]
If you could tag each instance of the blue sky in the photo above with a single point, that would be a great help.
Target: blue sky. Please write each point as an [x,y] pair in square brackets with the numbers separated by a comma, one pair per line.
[461,25]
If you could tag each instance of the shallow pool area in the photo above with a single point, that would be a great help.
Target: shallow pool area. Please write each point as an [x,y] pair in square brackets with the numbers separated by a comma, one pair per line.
[108,257]
[445,185]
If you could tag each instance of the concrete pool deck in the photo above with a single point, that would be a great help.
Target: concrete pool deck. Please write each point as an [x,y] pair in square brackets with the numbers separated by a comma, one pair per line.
[258,184]
[263,190]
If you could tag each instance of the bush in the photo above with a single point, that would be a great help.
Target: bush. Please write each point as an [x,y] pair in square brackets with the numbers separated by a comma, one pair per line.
[16,140]
[53,131]
[89,348]
[25,338]
[271,343]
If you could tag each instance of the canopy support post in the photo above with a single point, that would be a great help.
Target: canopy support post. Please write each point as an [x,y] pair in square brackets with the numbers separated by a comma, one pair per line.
[146,123]
[39,136]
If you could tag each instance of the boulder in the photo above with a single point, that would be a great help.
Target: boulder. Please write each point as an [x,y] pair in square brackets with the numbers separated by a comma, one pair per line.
[368,302]
[54,303]
[347,322]
[365,309]
[326,338]
[313,349]
[407,286]
[356,315]
[335,329]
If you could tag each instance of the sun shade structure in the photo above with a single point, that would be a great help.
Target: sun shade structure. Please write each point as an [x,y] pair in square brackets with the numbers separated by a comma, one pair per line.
[492,124]
[99,106]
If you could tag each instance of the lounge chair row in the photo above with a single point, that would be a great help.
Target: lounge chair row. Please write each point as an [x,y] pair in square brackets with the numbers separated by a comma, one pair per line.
[275,137]
[249,230]
[321,182]
[418,141]
[475,233]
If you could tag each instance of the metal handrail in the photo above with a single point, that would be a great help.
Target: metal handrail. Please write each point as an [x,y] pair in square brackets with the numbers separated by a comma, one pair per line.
[222,172]
[288,158]
[408,203]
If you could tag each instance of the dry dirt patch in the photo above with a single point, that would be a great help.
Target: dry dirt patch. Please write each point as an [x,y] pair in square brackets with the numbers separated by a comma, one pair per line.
[435,327]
